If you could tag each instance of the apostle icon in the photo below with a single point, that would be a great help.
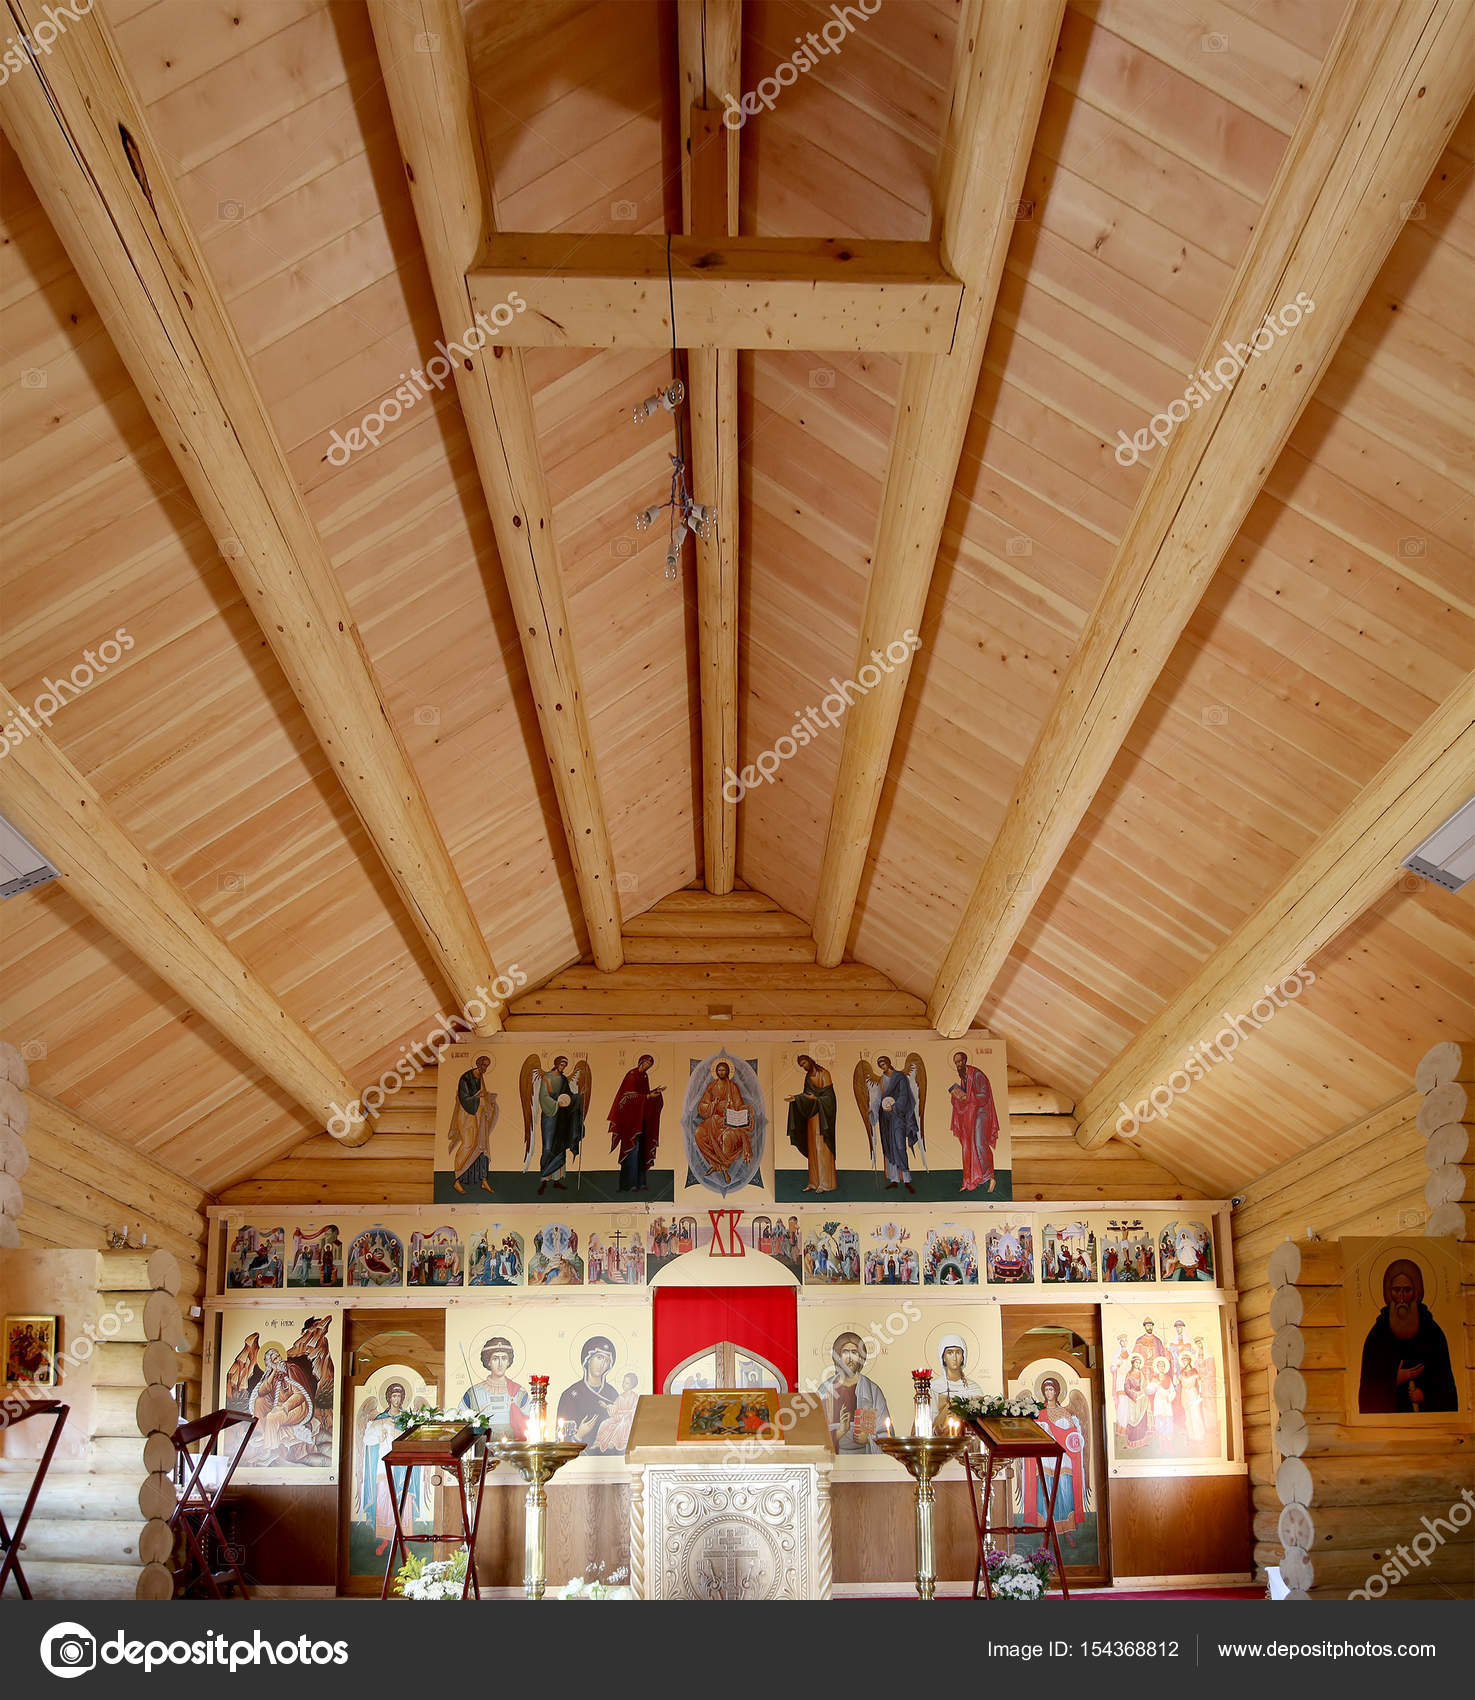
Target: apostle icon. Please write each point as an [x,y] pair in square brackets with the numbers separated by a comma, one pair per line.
[473,1118]
[975,1123]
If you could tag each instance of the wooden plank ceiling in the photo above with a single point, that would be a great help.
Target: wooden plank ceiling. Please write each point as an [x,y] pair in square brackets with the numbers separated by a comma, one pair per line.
[1341,617]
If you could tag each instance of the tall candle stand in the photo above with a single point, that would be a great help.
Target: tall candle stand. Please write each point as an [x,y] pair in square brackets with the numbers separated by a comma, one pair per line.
[923,1453]
[537,1459]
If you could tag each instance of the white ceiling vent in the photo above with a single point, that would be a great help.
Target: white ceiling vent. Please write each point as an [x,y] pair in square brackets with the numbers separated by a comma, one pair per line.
[21,864]
[1447,855]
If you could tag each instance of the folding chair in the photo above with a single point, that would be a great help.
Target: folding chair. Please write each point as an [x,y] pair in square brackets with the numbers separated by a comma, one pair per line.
[197,1513]
[10,1543]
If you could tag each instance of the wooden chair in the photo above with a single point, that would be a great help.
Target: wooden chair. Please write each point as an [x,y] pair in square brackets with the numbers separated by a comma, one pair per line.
[10,1543]
[198,1509]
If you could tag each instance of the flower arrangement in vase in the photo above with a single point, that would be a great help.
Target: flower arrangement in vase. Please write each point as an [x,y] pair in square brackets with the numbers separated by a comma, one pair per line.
[431,1578]
[1019,1576]
[995,1405]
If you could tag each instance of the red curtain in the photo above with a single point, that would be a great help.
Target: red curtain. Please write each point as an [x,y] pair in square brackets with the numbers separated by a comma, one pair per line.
[765,1320]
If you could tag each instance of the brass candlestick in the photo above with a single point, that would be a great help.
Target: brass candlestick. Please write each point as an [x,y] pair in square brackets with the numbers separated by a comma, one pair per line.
[923,1456]
[537,1461]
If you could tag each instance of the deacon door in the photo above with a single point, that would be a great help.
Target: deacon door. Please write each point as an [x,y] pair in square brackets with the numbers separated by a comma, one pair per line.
[395,1361]
[1054,1353]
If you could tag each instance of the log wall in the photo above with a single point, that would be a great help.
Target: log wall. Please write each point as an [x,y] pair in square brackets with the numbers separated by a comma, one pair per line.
[100,1529]
[1334,1504]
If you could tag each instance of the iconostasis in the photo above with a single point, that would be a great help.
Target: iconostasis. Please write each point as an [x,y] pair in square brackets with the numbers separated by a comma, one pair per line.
[566,1292]
[712,1117]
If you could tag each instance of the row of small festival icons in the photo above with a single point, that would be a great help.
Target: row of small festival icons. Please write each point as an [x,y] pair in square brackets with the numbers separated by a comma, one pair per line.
[828,1254]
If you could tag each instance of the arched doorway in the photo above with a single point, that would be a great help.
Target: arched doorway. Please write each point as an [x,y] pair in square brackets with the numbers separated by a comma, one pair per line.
[1055,1354]
[392,1359]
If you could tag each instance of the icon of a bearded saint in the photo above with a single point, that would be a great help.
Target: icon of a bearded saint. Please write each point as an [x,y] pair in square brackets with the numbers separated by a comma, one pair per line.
[1405,1357]
[472,1120]
[282,1403]
[724,1130]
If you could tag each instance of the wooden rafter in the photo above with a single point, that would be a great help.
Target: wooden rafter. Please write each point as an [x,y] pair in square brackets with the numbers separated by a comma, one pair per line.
[710,59]
[433,106]
[1354,863]
[116,882]
[726,291]
[1391,89]
[78,128]
[1004,54]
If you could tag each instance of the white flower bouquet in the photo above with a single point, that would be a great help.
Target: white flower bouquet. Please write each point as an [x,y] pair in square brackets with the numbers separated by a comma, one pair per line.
[995,1405]
[1019,1576]
[595,1585]
[432,1578]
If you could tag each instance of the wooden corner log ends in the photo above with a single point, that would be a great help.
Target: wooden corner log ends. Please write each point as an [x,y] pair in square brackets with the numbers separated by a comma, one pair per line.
[1349,1503]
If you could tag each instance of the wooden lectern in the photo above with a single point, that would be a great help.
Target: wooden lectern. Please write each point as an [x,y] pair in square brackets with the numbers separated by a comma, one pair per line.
[440,1446]
[1003,1438]
[745,1517]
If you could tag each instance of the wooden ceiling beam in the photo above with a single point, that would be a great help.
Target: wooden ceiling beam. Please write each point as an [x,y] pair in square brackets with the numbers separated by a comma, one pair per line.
[1394,83]
[1355,862]
[1005,50]
[434,111]
[709,46]
[111,875]
[727,291]
[79,131]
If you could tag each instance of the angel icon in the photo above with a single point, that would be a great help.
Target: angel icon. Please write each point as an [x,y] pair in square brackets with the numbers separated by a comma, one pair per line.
[893,1104]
